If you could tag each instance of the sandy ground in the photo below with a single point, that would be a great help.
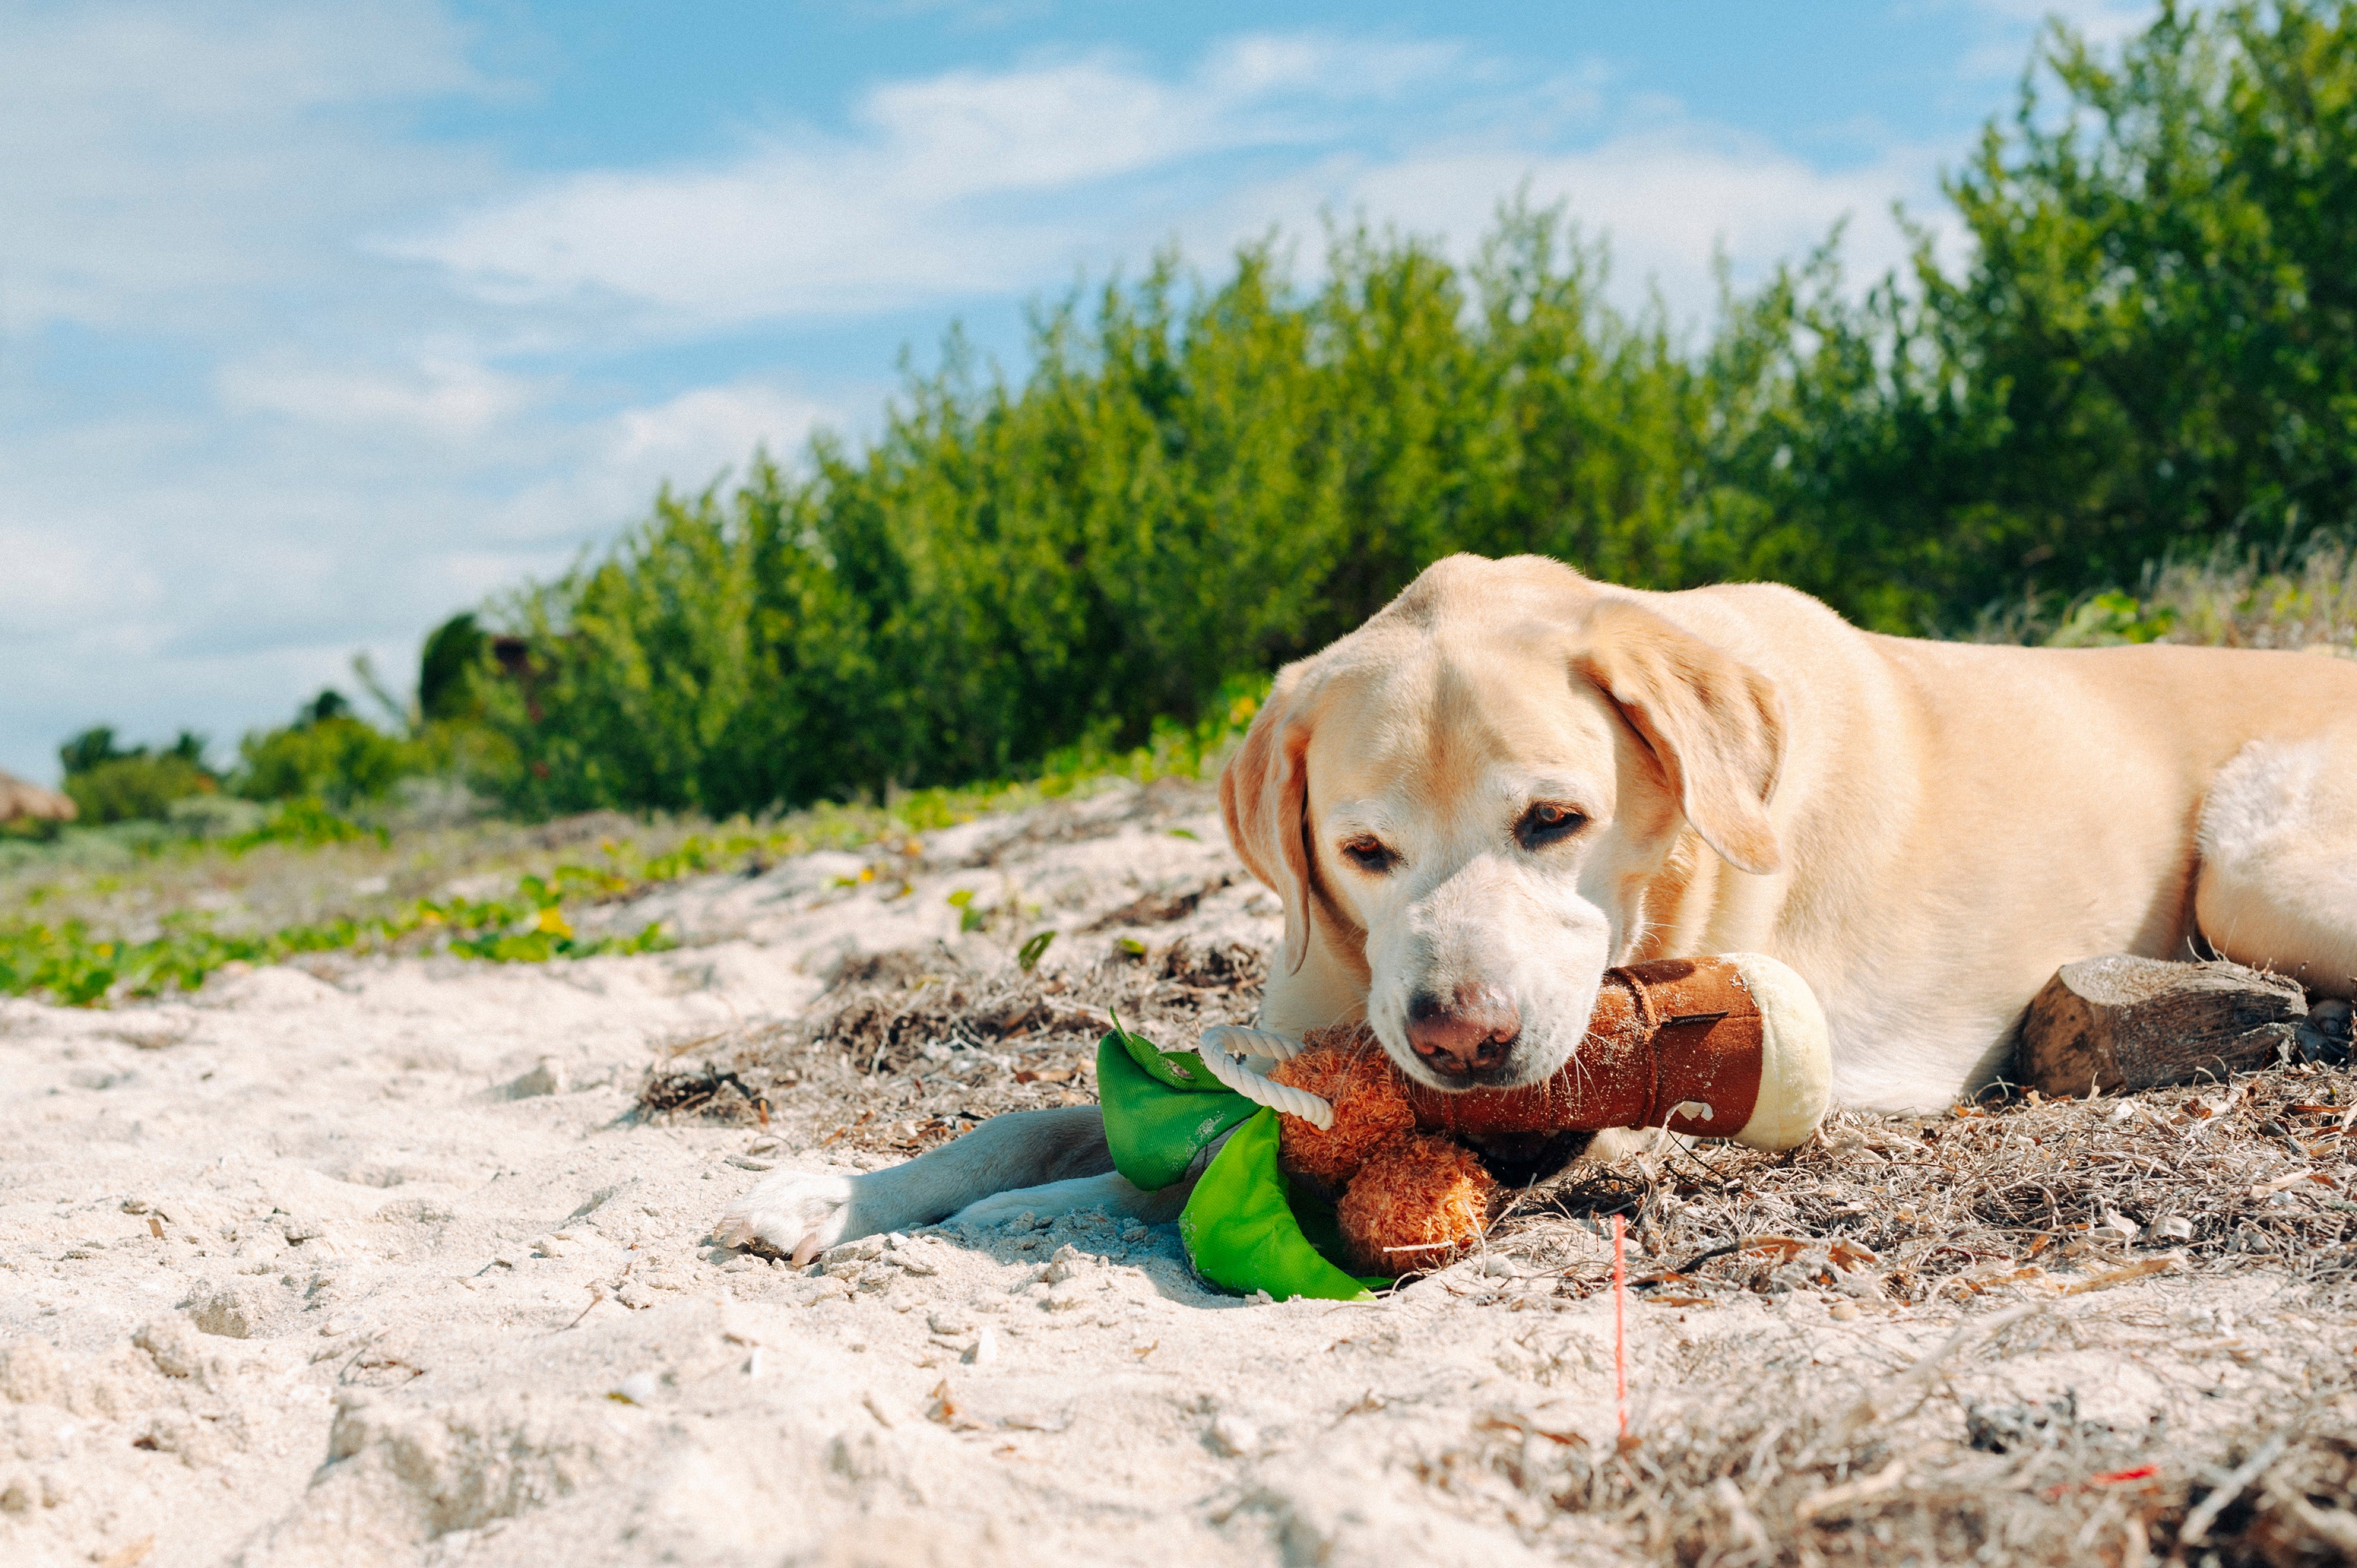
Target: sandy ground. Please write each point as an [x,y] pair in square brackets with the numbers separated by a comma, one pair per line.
[380,1268]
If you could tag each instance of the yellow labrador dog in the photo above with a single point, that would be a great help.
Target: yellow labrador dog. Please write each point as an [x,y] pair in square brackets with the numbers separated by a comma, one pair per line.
[1514,778]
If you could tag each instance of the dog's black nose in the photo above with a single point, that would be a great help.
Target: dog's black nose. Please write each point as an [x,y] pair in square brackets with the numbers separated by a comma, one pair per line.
[1469,1031]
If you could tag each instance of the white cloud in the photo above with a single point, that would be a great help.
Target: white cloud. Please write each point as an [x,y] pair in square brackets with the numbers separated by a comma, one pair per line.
[923,204]
[168,162]
[611,470]
[214,588]
[2013,24]
[2100,21]
[441,395]
[1667,200]
[56,585]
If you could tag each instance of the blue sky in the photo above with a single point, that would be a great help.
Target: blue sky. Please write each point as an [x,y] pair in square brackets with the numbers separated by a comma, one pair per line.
[318,323]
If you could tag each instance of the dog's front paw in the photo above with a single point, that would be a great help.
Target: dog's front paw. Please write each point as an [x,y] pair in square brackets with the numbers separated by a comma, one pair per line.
[797,1212]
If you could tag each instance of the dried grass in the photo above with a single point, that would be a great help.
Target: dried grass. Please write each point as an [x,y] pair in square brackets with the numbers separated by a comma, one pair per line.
[909,1048]
[1910,1210]
[2230,603]
[1901,1218]
[1767,1459]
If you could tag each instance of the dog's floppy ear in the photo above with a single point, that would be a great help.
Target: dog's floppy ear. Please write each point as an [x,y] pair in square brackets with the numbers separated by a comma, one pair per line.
[1715,725]
[1265,796]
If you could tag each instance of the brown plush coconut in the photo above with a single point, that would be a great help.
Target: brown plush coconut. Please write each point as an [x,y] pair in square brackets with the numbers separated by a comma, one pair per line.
[1418,1204]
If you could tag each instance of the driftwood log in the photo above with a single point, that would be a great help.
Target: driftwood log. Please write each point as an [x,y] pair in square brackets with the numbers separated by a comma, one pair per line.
[2120,1023]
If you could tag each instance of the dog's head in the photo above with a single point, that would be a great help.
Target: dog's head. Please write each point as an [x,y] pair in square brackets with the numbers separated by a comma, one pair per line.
[1466,799]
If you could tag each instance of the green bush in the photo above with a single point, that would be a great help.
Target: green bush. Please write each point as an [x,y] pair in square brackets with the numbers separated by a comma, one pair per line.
[337,758]
[111,783]
[1178,494]
[446,668]
[128,789]
[2151,354]
[306,823]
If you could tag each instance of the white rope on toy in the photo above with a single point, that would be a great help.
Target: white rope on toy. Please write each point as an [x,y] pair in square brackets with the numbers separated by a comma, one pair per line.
[1234,1071]
[1239,1041]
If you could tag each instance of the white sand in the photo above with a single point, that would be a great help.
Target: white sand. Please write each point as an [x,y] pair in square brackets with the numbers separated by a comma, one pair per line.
[392,1299]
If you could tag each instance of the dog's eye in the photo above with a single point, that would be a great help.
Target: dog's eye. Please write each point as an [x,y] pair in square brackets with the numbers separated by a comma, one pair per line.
[1547,822]
[1370,855]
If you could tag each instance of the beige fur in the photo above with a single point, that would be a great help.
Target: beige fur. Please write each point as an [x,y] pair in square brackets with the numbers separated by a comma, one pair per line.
[1924,830]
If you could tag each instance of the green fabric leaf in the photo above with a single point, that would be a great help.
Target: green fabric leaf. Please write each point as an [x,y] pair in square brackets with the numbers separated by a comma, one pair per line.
[1178,1070]
[1241,1232]
[1160,1115]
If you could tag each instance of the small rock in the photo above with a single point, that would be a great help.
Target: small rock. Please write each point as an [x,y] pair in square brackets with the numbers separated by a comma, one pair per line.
[638,1388]
[171,1343]
[867,1247]
[546,1078]
[232,1309]
[949,1322]
[983,1350]
[1233,1435]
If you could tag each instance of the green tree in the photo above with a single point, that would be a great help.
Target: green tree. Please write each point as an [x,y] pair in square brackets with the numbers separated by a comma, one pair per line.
[446,668]
[2151,350]
[111,783]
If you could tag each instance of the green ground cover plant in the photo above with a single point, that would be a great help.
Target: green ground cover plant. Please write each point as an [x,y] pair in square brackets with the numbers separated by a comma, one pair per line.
[82,936]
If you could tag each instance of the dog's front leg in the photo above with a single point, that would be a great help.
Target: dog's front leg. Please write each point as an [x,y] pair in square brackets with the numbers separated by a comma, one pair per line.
[804,1212]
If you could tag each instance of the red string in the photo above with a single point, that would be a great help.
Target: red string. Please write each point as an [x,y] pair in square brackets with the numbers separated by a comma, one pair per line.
[1620,1323]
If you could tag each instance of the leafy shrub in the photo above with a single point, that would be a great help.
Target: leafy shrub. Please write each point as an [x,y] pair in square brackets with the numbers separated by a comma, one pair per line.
[1179,494]
[126,789]
[2306,600]
[446,668]
[306,822]
[2150,353]
[335,757]
[111,783]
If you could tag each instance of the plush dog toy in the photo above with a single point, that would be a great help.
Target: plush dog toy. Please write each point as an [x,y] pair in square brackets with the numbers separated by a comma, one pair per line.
[1729,1048]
